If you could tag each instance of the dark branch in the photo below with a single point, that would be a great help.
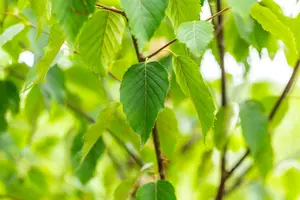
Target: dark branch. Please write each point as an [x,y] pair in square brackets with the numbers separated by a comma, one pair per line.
[161,48]
[159,156]
[271,117]
[223,178]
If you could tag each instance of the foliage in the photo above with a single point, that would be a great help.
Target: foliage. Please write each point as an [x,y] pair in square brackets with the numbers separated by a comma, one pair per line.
[107,100]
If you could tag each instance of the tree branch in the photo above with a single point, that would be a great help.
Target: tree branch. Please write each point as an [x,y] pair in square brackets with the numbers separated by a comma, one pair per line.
[282,97]
[159,156]
[220,43]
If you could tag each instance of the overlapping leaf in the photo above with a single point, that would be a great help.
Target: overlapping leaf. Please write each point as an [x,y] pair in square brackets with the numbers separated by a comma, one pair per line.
[10,33]
[144,17]
[72,14]
[143,92]
[100,40]
[95,130]
[196,35]
[41,9]
[189,78]
[160,190]
[183,11]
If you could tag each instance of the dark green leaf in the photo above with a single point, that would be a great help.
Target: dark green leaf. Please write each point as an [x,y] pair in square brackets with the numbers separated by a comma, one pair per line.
[143,92]
[144,17]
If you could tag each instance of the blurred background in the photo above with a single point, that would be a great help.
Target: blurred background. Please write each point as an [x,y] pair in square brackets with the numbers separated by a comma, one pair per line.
[39,132]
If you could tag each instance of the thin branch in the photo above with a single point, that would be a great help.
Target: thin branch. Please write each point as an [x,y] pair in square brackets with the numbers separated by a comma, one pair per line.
[116,163]
[161,48]
[174,40]
[271,117]
[285,91]
[217,14]
[139,55]
[223,178]
[111,9]
[220,43]
[78,110]
[159,156]
[133,155]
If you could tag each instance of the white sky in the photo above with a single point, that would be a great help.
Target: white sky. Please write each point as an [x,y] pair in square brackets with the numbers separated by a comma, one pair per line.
[263,68]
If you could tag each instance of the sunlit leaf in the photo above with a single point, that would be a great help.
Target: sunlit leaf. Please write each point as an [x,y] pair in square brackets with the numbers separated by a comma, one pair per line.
[189,78]
[167,128]
[41,9]
[196,35]
[183,11]
[100,41]
[92,135]
[10,33]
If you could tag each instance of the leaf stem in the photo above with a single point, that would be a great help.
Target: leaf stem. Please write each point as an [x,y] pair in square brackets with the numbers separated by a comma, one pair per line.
[217,14]
[159,156]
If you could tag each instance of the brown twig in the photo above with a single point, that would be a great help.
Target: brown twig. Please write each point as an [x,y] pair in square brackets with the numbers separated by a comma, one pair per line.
[159,156]
[217,14]
[161,48]
[111,9]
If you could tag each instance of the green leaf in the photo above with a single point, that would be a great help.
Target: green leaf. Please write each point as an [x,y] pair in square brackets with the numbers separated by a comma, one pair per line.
[167,128]
[100,40]
[254,124]
[71,15]
[41,9]
[33,104]
[10,33]
[190,80]
[196,35]
[270,22]
[54,87]
[291,182]
[241,8]
[183,11]
[160,190]
[9,99]
[226,121]
[38,74]
[85,170]
[143,92]
[144,17]
[123,190]
[95,130]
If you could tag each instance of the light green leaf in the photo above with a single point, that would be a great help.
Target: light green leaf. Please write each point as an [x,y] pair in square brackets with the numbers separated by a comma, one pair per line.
[100,40]
[241,8]
[143,92]
[41,9]
[54,87]
[85,170]
[183,11]
[270,22]
[160,190]
[226,120]
[144,17]
[10,33]
[71,15]
[124,189]
[190,80]
[254,124]
[196,35]
[95,130]
[38,74]
[291,182]
[167,128]
[33,104]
